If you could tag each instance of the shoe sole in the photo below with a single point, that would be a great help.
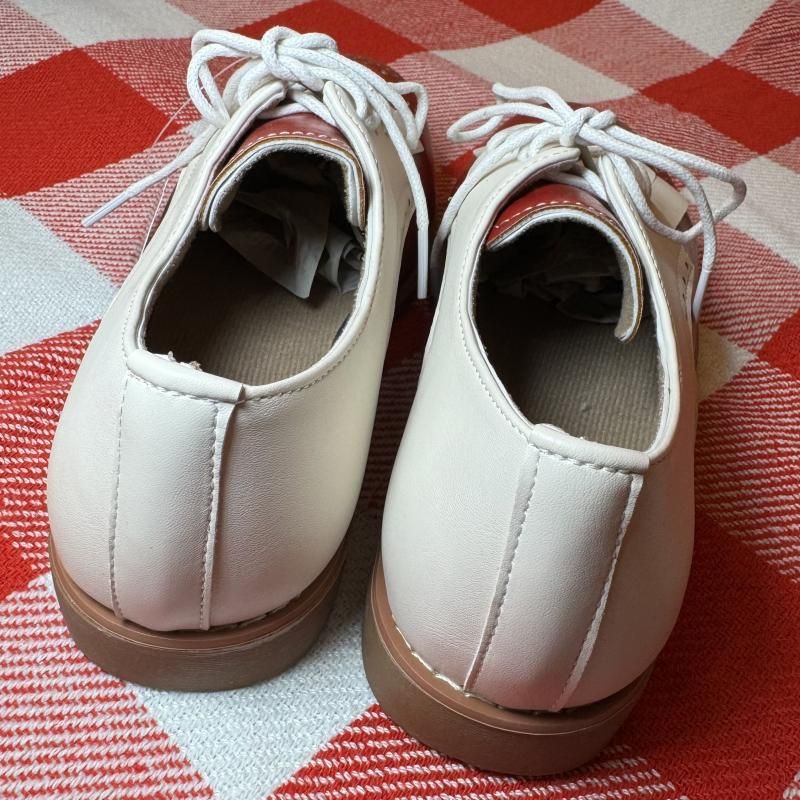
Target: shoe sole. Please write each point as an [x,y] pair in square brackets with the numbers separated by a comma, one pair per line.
[227,657]
[473,730]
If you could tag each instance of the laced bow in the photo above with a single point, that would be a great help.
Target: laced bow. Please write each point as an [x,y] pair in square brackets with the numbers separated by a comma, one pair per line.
[303,63]
[587,127]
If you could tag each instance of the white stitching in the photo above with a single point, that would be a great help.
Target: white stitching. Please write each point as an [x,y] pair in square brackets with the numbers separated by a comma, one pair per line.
[304,134]
[460,689]
[600,215]
[112,534]
[170,392]
[476,670]
[213,481]
[560,204]
[623,527]
[588,464]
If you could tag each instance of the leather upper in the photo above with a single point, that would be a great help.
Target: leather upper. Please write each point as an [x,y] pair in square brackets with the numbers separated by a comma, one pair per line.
[532,568]
[182,499]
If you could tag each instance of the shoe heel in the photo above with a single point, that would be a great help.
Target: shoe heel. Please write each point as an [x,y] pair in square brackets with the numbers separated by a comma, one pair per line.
[227,657]
[473,730]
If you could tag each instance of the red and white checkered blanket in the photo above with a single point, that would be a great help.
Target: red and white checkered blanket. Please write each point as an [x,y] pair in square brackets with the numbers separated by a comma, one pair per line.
[85,88]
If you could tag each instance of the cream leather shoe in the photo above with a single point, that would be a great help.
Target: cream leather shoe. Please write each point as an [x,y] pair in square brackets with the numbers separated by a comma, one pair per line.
[209,457]
[538,528]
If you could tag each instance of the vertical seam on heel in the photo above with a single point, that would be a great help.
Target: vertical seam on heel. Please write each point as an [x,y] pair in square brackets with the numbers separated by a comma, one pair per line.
[501,590]
[209,543]
[112,533]
[574,676]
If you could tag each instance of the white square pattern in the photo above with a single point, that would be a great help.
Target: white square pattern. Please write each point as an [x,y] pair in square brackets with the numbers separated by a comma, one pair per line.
[85,22]
[47,287]
[521,61]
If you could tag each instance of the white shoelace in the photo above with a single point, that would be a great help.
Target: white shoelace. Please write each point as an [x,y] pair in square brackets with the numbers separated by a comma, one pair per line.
[304,63]
[586,127]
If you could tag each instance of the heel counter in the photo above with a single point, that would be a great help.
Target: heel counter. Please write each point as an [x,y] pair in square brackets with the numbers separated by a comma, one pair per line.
[81,468]
[164,509]
[563,546]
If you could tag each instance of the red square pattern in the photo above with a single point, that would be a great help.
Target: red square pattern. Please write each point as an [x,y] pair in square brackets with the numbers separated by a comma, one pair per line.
[441,78]
[33,386]
[338,771]
[788,156]
[457,25]
[355,34]
[783,349]
[155,68]
[15,571]
[736,103]
[71,115]
[113,244]
[532,15]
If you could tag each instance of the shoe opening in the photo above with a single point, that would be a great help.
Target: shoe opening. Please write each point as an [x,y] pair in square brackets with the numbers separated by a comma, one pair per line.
[546,306]
[265,294]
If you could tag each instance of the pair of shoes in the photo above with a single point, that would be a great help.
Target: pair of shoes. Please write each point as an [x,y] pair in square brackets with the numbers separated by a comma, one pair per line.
[537,534]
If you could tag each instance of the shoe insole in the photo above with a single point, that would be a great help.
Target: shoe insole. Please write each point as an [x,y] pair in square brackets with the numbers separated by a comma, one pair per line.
[236,322]
[573,374]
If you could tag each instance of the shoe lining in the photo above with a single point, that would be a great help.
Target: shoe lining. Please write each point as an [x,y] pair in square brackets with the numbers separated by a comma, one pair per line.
[231,319]
[569,372]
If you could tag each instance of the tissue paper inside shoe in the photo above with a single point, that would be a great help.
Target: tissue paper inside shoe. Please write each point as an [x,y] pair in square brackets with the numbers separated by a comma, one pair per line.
[292,202]
[562,246]
[562,264]
[288,234]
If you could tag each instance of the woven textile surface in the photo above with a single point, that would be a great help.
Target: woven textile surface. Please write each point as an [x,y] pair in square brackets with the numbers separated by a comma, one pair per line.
[85,89]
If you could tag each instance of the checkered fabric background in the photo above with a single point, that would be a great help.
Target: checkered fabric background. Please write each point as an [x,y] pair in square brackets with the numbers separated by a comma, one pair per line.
[85,88]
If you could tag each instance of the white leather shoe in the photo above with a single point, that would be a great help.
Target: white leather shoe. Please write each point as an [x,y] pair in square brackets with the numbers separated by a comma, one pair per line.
[538,528]
[209,457]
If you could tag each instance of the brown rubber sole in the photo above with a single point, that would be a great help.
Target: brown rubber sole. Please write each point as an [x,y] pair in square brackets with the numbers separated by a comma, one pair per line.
[200,661]
[473,730]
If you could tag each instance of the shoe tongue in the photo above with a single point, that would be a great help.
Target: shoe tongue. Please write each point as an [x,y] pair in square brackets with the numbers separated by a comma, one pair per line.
[297,133]
[574,276]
